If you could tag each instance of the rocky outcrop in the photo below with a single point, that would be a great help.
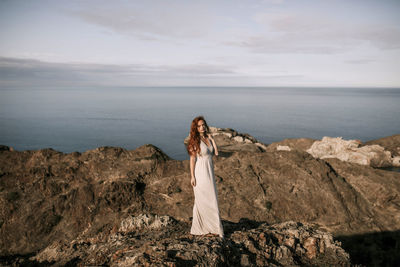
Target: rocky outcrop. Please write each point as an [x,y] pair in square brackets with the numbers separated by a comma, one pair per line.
[47,195]
[48,198]
[377,153]
[390,143]
[229,141]
[350,150]
[301,144]
[163,241]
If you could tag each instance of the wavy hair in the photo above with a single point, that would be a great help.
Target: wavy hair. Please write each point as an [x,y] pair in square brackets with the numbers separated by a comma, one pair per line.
[194,136]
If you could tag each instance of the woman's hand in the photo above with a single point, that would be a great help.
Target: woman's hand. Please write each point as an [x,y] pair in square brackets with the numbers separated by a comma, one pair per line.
[193,181]
[214,145]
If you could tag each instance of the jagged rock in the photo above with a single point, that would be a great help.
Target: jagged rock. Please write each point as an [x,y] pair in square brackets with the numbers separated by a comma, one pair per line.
[349,150]
[141,221]
[390,143]
[288,243]
[291,243]
[47,197]
[229,140]
[384,155]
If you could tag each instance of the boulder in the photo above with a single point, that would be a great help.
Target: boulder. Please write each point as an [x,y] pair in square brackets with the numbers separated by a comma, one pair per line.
[350,150]
[382,152]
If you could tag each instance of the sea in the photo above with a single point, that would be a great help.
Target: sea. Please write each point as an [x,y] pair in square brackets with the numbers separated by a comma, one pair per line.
[80,119]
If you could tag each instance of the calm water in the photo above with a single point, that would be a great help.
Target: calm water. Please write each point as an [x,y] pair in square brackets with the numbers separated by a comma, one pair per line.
[80,119]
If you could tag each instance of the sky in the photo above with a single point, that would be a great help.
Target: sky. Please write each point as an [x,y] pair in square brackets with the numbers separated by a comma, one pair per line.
[316,43]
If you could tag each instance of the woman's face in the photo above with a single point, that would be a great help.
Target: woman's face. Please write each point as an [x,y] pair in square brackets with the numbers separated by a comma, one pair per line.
[201,126]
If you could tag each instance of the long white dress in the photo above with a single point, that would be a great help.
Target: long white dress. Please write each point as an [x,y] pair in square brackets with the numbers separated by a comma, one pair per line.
[206,217]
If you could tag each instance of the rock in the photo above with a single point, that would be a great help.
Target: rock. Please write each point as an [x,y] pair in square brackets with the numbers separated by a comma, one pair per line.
[311,246]
[301,144]
[48,197]
[134,223]
[229,141]
[238,139]
[291,243]
[5,148]
[396,161]
[390,143]
[283,148]
[349,150]
[256,246]
[244,260]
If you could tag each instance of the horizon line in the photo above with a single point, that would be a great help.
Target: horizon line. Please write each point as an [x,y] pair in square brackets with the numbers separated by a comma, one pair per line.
[210,86]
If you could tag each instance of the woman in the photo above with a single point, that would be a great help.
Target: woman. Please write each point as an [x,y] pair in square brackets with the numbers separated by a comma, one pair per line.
[206,217]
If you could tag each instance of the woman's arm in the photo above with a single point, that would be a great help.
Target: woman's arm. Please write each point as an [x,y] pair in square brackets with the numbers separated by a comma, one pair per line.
[214,145]
[192,165]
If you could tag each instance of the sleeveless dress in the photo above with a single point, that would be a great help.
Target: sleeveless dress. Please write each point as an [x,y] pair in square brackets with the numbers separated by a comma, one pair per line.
[206,217]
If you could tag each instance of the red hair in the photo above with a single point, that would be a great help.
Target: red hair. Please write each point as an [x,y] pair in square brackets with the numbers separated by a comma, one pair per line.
[194,136]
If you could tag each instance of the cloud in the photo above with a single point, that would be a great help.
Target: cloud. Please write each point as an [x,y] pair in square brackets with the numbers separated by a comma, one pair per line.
[287,44]
[383,37]
[166,19]
[360,61]
[294,33]
[272,1]
[15,72]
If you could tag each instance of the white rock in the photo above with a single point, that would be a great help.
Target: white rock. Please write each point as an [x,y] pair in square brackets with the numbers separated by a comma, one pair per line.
[396,161]
[227,134]
[238,138]
[261,145]
[248,141]
[130,260]
[283,148]
[349,150]
[142,221]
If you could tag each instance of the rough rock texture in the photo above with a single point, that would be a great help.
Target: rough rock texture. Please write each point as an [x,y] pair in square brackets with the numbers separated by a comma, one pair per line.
[349,150]
[390,143]
[382,152]
[168,244]
[48,196]
[229,141]
[292,143]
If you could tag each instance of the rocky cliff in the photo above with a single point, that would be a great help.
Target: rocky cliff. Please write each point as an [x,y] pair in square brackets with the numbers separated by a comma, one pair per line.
[49,199]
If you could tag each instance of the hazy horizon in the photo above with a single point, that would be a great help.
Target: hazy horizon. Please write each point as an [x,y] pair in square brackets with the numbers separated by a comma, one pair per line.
[205,86]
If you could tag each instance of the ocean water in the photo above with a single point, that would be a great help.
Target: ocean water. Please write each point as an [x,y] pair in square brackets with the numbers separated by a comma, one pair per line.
[80,119]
